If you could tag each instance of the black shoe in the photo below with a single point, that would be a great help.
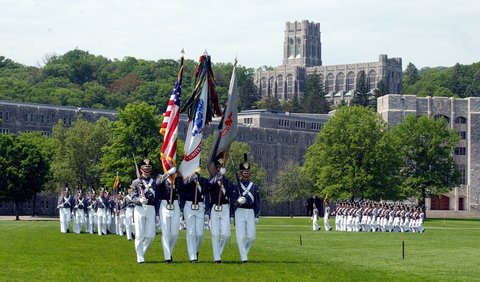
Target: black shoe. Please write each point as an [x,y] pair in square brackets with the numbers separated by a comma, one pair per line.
[140,262]
[244,261]
[218,261]
[168,261]
[193,261]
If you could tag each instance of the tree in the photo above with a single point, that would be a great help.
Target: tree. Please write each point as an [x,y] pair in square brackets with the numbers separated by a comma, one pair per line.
[23,170]
[362,92]
[427,146]
[473,89]
[352,157]
[291,184]
[411,74]
[78,152]
[135,133]
[314,100]
[235,157]
[269,103]
[378,92]
[457,82]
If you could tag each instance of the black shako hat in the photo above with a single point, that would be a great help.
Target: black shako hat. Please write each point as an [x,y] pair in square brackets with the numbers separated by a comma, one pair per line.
[245,166]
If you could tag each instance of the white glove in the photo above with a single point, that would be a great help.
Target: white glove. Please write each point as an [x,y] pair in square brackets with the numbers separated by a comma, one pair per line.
[144,201]
[241,200]
[157,219]
[207,218]
[172,171]
[231,220]
[222,171]
[257,220]
[181,214]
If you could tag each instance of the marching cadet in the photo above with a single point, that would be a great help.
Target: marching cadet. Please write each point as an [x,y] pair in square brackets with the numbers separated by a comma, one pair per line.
[65,203]
[247,207]
[129,208]
[219,210]
[92,214]
[102,205]
[120,209]
[326,215]
[169,195]
[111,214]
[193,194]
[79,212]
[316,227]
[145,197]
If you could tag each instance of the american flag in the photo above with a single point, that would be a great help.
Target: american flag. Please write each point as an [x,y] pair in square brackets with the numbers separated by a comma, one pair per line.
[169,128]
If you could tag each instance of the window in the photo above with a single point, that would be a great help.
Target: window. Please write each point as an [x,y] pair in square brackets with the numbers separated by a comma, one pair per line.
[463,174]
[316,126]
[447,119]
[42,118]
[4,130]
[1,115]
[284,123]
[290,86]
[350,81]
[6,115]
[300,124]
[329,83]
[460,120]
[372,76]
[48,119]
[279,86]
[462,134]
[271,83]
[340,81]
[460,151]
[248,121]
[264,86]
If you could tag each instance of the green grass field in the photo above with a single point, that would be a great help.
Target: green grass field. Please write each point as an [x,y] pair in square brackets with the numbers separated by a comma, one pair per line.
[449,250]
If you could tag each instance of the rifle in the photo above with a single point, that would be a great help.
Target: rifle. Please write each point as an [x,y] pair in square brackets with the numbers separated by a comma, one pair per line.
[139,178]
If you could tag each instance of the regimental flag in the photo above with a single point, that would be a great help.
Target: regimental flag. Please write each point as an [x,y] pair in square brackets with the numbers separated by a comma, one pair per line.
[200,107]
[169,128]
[116,183]
[227,128]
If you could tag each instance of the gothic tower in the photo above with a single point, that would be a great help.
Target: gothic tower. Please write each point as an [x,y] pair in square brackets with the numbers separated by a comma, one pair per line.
[302,46]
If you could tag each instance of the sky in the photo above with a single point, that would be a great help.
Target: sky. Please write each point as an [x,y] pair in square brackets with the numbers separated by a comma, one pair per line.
[428,33]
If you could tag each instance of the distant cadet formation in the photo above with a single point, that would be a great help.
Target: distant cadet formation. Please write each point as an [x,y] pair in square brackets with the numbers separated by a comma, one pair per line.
[167,203]
[378,217]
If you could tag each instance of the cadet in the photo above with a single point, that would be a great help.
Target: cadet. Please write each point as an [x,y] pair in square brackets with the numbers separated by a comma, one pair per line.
[79,211]
[130,207]
[145,197]
[219,210]
[169,194]
[193,193]
[326,215]
[102,206]
[65,203]
[247,206]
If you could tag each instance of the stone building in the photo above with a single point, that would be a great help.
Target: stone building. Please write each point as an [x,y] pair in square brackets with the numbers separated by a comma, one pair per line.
[18,117]
[463,116]
[302,56]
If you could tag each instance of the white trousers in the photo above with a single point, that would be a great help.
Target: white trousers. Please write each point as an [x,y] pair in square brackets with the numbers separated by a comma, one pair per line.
[245,231]
[102,221]
[194,220]
[129,222]
[65,217]
[120,224]
[326,224]
[144,229]
[92,221]
[170,223]
[315,222]
[79,221]
[220,229]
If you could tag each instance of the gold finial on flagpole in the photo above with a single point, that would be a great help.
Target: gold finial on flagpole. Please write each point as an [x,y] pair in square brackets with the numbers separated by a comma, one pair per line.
[182,53]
